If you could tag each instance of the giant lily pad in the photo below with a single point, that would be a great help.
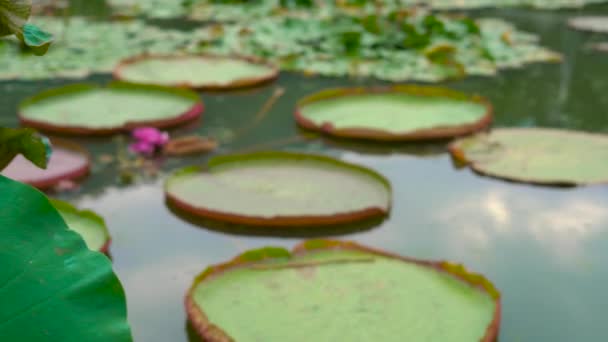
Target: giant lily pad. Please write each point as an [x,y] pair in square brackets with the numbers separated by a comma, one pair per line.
[590,23]
[396,113]
[537,155]
[67,162]
[200,72]
[88,109]
[341,291]
[91,227]
[280,189]
[53,287]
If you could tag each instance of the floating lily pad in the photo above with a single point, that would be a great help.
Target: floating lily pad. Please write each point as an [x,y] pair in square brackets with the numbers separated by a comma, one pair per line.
[53,287]
[395,113]
[341,291]
[590,23]
[280,189]
[537,155]
[91,227]
[199,72]
[67,162]
[89,109]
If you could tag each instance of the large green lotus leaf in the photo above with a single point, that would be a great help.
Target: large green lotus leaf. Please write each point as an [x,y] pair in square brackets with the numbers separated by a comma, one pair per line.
[67,162]
[339,291]
[280,189]
[88,109]
[397,113]
[91,227]
[201,72]
[26,142]
[591,23]
[535,155]
[52,287]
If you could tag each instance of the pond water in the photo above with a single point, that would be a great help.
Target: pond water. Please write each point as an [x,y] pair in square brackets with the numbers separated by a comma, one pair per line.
[546,249]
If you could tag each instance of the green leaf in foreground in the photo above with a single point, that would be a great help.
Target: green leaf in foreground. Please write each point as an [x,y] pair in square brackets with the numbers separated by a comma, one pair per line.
[53,288]
[24,141]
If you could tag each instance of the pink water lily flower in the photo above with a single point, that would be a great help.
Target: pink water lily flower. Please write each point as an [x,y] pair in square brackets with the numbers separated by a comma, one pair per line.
[148,140]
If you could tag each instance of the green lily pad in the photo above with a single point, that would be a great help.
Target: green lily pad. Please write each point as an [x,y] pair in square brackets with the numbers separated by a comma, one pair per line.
[199,72]
[53,287]
[537,155]
[341,291]
[67,162]
[280,189]
[395,113]
[89,109]
[590,23]
[91,227]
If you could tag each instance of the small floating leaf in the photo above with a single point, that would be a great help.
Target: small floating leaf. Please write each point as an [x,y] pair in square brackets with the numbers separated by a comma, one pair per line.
[280,189]
[333,290]
[36,39]
[537,155]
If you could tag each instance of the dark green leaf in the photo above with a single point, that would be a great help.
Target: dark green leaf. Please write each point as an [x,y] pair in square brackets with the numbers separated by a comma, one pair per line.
[24,141]
[52,287]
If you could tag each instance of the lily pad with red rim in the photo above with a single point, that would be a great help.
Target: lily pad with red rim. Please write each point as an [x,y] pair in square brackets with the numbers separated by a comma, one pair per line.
[399,113]
[89,109]
[68,162]
[196,71]
[90,226]
[537,155]
[341,291]
[280,189]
